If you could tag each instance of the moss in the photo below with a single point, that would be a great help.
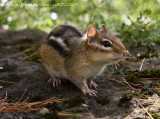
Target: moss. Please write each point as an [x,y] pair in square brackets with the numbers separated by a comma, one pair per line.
[103,100]
[53,106]
[134,76]
[74,101]
[143,96]
[125,69]
[52,115]
[158,92]
[146,105]
[149,91]
[156,116]
[36,98]
[148,54]
[124,101]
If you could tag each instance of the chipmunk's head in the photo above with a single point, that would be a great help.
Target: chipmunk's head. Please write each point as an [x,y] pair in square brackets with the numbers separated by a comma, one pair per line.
[104,47]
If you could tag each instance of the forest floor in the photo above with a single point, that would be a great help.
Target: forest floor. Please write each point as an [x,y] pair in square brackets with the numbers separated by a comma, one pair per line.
[128,90]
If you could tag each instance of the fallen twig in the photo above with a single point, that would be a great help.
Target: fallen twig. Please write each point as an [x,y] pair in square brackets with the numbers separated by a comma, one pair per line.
[144,109]
[20,45]
[122,82]
[20,53]
[26,107]
[70,115]
[6,81]
[3,100]
[113,79]
[142,64]
[22,96]
[128,84]
[25,58]
[133,84]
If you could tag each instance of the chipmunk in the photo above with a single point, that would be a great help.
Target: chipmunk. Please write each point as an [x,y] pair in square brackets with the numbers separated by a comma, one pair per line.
[68,53]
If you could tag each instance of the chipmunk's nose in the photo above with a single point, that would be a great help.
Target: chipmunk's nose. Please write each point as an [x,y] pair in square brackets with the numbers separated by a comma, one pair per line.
[125,53]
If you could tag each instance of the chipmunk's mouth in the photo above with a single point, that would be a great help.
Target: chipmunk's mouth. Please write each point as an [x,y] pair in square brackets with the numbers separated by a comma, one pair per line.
[117,57]
[120,56]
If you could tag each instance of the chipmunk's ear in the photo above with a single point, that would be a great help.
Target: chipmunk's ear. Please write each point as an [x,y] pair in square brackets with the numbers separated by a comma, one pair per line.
[103,28]
[91,32]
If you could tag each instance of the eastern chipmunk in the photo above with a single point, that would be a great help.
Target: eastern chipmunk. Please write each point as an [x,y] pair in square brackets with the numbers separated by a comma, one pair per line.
[68,53]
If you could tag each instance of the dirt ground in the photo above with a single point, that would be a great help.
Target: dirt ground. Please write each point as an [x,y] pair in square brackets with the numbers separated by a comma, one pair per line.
[30,76]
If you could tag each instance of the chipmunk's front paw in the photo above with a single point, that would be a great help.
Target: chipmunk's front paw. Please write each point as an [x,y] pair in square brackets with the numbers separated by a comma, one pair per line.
[56,82]
[93,85]
[90,93]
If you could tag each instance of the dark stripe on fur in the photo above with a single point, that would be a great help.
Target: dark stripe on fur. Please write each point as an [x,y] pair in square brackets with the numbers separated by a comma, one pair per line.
[65,32]
[58,47]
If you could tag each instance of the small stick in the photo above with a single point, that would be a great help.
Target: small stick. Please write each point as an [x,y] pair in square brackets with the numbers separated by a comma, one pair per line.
[122,82]
[25,58]
[6,81]
[119,82]
[20,53]
[20,45]
[144,109]
[115,66]
[142,64]
[25,100]
[22,96]
[137,85]
[70,115]
[5,97]
[128,84]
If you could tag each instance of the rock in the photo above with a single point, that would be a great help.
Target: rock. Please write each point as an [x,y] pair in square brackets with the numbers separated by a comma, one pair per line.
[137,113]
[151,105]
[44,111]
[8,37]
[19,115]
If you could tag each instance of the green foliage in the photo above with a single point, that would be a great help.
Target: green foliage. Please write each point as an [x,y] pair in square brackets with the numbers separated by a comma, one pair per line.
[45,15]
[140,32]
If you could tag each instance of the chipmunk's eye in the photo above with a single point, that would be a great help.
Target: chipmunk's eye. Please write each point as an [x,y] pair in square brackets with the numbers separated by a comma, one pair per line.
[106,44]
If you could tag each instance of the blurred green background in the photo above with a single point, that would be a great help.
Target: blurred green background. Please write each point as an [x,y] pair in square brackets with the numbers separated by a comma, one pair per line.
[136,22]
